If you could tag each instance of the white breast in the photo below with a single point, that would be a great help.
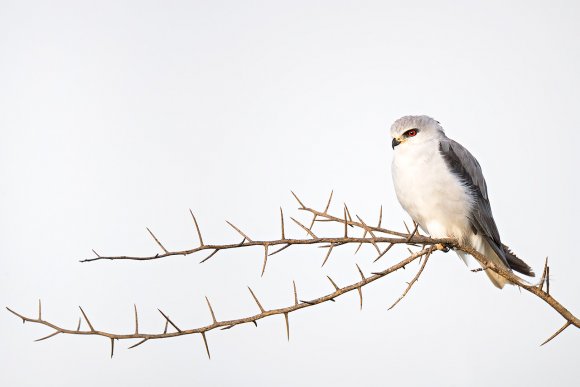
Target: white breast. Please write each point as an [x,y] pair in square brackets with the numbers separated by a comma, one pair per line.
[434,197]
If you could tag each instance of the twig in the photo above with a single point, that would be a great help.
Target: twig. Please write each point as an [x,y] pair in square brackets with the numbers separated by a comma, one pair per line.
[415,279]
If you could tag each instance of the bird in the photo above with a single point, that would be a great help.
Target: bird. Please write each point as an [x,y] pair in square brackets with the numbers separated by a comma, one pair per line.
[440,184]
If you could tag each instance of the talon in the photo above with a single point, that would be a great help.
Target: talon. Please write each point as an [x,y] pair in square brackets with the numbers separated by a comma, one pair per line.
[447,247]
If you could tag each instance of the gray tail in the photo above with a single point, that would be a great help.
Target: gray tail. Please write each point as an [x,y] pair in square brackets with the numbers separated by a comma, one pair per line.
[516,263]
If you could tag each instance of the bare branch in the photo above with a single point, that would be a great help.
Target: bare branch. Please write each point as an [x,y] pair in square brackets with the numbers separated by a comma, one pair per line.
[415,279]
[377,235]
[373,236]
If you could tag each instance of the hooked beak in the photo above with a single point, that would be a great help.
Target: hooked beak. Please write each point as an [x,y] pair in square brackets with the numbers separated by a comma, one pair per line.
[395,142]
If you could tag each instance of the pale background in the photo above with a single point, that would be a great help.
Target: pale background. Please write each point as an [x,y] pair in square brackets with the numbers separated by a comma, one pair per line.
[115,116]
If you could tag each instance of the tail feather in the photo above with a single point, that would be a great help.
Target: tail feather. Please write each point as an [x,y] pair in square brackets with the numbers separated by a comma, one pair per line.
[490,254]
[516,263]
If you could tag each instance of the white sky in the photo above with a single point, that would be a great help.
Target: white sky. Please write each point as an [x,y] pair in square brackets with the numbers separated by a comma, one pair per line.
[115,116]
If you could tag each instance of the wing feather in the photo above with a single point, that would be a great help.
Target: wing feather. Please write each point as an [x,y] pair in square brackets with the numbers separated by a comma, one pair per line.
[465,166]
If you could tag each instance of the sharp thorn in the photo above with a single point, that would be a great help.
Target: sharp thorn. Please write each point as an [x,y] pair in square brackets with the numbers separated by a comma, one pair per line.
[296,197]
[211,310]
[87,320]
[209,256]
[265,259]
[256,299]
[138,344]
[287,326]
[136,319]
[304,228]
[568,323]
[327,255]
[48,337]
[157,240]
[333,283]
[282,222]
[197,228]
[279,250]
[206,346]
[384,252]
[239,231]
[169,321]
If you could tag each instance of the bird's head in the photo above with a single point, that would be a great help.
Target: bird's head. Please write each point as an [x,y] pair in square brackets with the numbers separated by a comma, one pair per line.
[415,130]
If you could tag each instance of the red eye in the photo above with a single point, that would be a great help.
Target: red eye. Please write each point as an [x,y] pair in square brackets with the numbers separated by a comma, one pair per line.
[411,133]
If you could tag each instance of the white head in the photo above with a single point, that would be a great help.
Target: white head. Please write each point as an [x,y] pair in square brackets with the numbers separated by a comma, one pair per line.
[415,130]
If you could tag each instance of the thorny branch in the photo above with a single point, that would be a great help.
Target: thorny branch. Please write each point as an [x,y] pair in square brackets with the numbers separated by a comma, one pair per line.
[377,235]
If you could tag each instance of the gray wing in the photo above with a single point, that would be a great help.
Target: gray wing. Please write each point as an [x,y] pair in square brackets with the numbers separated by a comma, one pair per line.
[465,166]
